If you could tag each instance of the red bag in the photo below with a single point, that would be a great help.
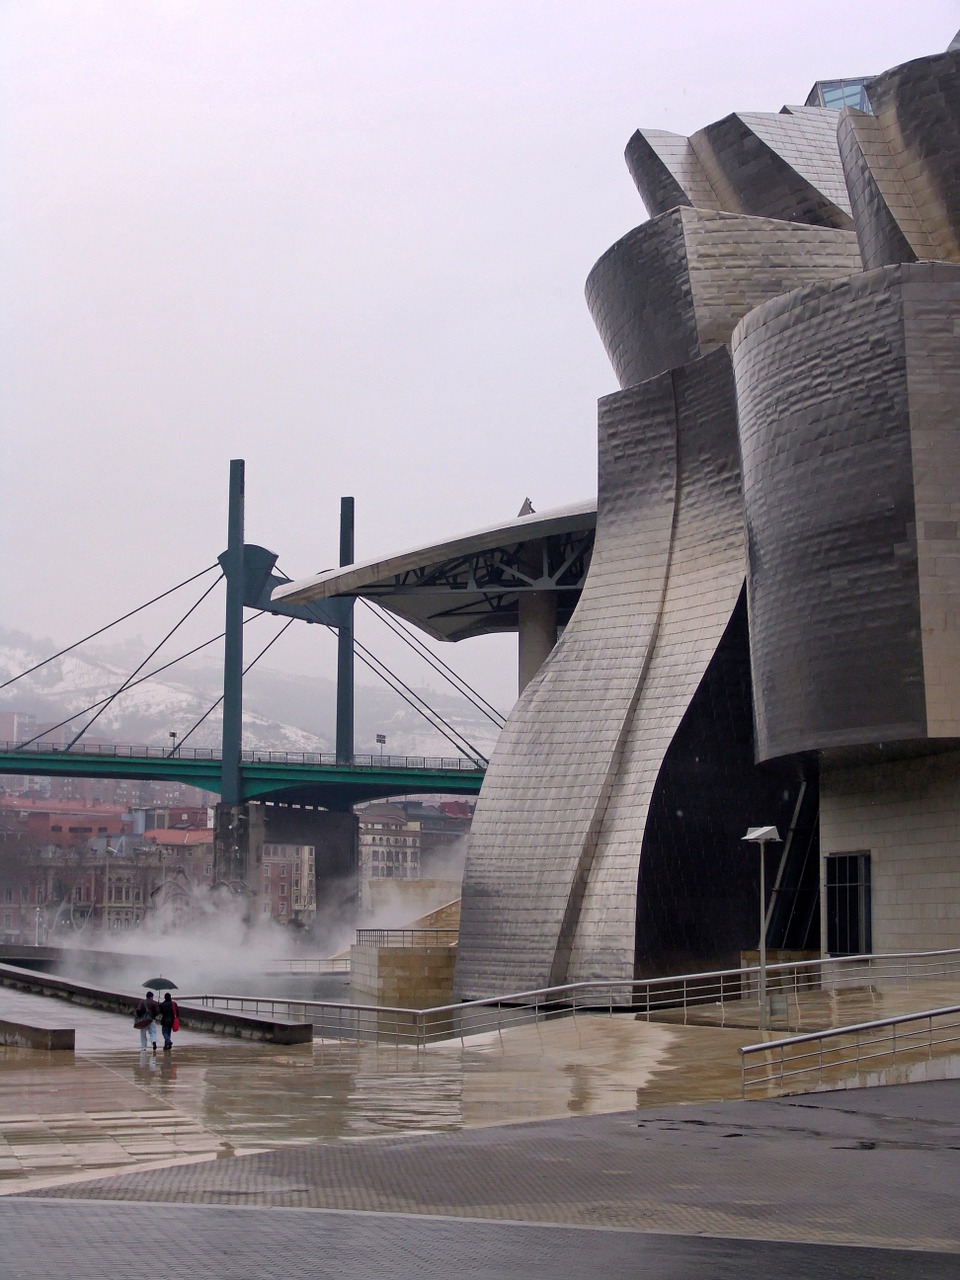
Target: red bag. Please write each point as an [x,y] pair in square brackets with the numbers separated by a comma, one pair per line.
[176,1020]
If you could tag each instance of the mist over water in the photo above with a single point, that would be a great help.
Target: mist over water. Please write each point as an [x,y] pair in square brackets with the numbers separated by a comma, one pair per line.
[217,944]
[223,947]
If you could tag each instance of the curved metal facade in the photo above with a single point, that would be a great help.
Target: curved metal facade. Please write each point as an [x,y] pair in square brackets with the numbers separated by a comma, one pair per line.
[673,289]
[846,396]
[840,426]
[902,164]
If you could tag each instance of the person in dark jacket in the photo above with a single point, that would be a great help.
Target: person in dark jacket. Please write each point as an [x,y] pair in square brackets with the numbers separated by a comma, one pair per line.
[147,1009]
[168,1013]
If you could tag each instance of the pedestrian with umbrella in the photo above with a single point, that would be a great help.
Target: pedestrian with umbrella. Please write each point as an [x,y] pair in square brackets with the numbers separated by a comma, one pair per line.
[148,1011]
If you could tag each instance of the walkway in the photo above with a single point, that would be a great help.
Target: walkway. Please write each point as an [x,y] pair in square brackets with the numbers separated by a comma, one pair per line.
[112,1107]
[859,1184]
[557,1150]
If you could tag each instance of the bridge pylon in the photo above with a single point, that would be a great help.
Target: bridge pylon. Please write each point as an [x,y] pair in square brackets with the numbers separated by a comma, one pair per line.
[251,580]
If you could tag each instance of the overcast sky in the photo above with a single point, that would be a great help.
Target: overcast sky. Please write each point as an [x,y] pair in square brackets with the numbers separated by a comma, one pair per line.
[346,242]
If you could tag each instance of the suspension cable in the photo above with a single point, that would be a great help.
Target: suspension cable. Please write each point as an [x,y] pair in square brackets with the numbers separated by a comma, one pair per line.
[93,719]
[141,680]
[393,681]
[432,716]
[93,634]
[452,677]
[104,703]
[210,710]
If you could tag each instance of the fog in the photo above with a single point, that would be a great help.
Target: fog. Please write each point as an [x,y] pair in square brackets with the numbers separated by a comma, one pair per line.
[215,942]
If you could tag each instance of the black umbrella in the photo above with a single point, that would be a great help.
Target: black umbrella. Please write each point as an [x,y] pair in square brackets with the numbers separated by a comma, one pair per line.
[160,984]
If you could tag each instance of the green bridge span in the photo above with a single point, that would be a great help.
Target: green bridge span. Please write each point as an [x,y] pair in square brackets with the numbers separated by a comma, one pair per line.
[283,777]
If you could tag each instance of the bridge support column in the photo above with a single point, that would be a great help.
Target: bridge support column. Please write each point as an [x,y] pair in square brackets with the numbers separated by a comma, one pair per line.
[537,630]
[231,844]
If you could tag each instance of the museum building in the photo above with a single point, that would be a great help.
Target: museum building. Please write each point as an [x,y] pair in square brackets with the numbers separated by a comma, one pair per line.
[769,628]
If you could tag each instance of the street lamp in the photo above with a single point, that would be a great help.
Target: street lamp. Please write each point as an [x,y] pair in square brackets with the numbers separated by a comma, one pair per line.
[173,742]
[762,836]
[37,937]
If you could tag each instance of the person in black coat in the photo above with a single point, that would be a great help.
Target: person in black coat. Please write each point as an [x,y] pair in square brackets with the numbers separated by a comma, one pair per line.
[168,1014]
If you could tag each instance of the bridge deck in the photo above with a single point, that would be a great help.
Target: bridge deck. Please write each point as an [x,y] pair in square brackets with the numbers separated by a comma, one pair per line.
[297,778]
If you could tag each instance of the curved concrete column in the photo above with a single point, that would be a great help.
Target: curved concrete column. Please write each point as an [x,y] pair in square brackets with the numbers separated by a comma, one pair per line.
[537,631]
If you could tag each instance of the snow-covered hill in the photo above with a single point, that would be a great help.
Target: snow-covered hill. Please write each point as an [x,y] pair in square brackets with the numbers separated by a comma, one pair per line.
[281,713]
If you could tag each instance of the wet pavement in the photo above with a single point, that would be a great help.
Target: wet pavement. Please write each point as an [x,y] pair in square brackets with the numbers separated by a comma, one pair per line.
[64,1115]
[110,1107]
[554,1149]
[234,1243]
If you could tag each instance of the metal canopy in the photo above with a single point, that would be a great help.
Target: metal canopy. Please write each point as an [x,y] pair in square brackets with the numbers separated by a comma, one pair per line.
[470,585]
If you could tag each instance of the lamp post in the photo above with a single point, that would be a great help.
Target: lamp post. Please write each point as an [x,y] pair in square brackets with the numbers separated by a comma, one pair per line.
[762,836]
[173,742]
[37,937]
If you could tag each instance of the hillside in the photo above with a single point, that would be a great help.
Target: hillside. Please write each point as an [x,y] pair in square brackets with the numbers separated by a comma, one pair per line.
[282,712]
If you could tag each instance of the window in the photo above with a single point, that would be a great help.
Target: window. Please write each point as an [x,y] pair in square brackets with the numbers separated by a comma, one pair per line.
[848,904]
[283,891]
[8,895]
[283,908]
[57,828]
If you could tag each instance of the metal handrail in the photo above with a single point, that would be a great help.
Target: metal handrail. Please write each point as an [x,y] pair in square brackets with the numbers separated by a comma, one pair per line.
[324,759]
[309,964]
[643,997]
[407,937]
[867,1046]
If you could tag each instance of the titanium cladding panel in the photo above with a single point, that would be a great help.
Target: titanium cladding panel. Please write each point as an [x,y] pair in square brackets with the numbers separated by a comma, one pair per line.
[841,428]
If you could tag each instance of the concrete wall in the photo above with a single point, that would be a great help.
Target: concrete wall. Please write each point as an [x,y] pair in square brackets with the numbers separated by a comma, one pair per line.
[906,814]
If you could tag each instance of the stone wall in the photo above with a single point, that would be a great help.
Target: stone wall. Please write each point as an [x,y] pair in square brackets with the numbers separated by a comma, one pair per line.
[906,815]
[402,977]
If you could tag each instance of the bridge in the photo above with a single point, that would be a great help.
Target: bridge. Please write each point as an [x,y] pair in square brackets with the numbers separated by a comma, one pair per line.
[300,778]
[334,782]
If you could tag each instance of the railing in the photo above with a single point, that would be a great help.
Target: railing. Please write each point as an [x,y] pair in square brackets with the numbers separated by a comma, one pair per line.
[796,1063]
[308,964]
[407,937]
[324,759]
[730,992]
